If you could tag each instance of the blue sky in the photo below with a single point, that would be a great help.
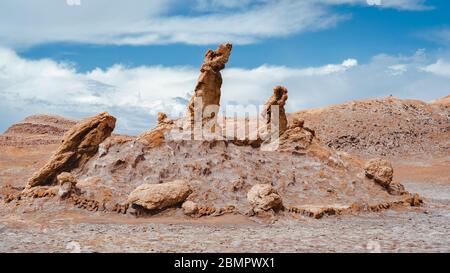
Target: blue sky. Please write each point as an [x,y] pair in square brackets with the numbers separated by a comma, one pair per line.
[139,57]
[367,32]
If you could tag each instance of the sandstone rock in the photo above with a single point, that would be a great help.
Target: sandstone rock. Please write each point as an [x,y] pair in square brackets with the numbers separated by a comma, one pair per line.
[79,144]
[94,188]
[190,207]
[157,136]
[278,99]
[396,189]
[296,122]
[210,81]
[164,120]
[380,170]
[152,138]
[160,196]
[65,190]
[67,183]
[66,178]
[264,197]
[295,139]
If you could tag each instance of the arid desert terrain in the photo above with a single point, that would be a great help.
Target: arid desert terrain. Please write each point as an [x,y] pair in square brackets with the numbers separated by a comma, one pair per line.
[416,143]
[362,176]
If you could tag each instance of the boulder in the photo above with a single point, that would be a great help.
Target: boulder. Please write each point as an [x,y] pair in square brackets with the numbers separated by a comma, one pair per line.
[160,196]
[189,207]
[264,197]
[380,170]
[79,144]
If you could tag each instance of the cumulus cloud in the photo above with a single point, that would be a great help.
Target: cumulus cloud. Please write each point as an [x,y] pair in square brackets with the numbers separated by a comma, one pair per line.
[26,23]
[136,94]
[441,68]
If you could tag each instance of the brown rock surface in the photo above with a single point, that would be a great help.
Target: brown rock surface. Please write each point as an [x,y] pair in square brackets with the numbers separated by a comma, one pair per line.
[278,99]
[79,144]
[160,196]
[67,183]
[210,81]
[442,101]
[163,119]
[189,207]
[264,197]
[380,170]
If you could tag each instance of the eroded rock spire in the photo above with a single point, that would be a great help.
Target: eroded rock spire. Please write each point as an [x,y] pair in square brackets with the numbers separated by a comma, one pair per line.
[209,82]
[279,99]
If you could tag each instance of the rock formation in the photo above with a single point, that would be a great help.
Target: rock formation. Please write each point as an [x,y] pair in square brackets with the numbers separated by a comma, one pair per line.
[156,136]
[264,197]
[225,175]
[380,170]
[164,120]
[189,208]
[79,144]
[160,196]
[210,81]
[67,183]
[278,99]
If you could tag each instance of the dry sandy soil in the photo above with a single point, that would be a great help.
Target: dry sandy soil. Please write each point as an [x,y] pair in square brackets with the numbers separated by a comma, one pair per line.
[422,167]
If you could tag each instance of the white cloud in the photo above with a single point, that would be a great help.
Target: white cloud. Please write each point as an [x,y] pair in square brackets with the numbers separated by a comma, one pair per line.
[438,35]
[139,22]
[397,69]
[440,67]
[398,4]
[135,95]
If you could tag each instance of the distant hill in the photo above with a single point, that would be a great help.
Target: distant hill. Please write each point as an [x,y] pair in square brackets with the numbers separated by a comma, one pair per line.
[37,130]
[386,127]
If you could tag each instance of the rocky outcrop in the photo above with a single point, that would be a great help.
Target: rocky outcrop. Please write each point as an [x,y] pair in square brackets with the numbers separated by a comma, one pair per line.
[67,183]
[264,197]
[210,81]
[79,144]
[278,99]
[152,138]
[160,196]
[380,170]
[296,138]
[163,120]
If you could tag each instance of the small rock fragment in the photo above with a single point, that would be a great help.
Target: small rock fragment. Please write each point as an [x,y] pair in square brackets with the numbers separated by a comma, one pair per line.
[67,183]
[264,197]
[190,207]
